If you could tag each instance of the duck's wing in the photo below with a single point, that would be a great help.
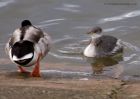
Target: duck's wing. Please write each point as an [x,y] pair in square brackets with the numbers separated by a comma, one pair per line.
[45,44]
[42,43]
[9,44]
[14,38]
[40,39]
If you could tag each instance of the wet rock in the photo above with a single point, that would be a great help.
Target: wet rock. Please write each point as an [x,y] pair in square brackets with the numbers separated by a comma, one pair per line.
[130,91]
[15,87]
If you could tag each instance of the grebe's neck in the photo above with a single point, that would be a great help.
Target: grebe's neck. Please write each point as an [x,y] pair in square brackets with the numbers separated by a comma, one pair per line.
[94,36]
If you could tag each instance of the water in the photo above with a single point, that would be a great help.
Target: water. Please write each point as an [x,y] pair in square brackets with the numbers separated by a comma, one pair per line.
[67,22]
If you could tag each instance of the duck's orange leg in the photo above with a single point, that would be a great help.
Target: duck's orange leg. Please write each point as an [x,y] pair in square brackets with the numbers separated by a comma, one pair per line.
[22,70]
[36,70]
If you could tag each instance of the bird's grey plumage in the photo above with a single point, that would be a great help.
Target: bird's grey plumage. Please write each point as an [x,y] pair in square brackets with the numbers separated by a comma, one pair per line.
[103,50]
[102,45]
[106,43]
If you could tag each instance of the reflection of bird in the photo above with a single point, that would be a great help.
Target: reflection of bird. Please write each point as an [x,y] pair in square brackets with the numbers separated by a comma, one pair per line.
[103,50]
[27,46]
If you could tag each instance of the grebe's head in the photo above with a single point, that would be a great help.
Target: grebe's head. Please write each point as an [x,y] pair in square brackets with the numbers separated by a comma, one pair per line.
[95,30]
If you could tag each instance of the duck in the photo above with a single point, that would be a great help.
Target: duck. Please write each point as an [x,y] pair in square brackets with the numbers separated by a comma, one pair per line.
[27,46]
[103,50]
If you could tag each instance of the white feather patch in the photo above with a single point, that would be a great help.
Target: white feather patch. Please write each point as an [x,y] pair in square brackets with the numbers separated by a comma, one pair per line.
[27,56]
[118,46]
[90,51]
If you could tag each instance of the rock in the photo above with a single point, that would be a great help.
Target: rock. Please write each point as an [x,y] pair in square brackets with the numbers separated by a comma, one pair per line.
[15,87]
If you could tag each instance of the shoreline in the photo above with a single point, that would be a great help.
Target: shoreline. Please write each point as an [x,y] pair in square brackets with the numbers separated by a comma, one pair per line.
[14,86]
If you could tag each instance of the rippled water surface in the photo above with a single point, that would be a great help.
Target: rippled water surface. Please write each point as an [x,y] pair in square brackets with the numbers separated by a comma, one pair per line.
[67,21]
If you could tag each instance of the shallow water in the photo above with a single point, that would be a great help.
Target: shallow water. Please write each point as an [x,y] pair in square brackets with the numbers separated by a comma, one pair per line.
[67,22]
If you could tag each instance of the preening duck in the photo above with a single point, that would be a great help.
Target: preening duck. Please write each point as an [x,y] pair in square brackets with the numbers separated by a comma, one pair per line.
[103,49]
[27,46]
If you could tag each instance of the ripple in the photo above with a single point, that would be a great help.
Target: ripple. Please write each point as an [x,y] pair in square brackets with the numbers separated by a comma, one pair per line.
[121,28]
[129,57]
[83,27]
[66,74]
[52,20]
[132,14]
[71,5]
[45,25]
[67,52]
[130,46]
[134,27]
[135,62]
[4,3]
[73,51]
[72,48]
[2,44]
[111,29]
[66,37]
[65,57]
[121,17]
[69,8]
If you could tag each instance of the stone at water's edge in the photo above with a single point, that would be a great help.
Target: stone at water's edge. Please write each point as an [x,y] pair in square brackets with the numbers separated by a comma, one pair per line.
[15,87]
[130,91]
[18,87]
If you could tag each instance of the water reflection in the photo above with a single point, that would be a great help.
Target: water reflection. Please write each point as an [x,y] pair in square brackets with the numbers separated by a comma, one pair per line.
[98,64]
